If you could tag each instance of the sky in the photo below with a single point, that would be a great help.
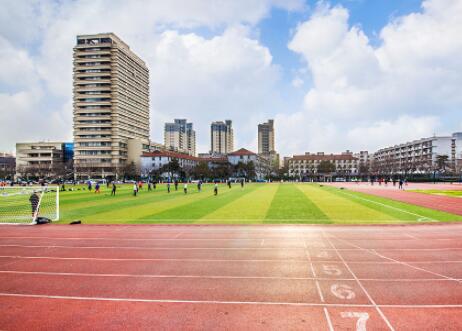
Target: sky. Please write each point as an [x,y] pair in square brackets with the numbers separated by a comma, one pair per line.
[334,75]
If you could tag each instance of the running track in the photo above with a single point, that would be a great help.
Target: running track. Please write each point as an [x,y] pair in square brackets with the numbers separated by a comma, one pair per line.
[439,202]
[96,277]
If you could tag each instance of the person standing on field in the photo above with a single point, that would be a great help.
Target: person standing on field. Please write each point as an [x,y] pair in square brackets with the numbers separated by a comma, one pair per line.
[135,189]
[168,187]
[97,188]
[149,186]
[215,189]
[114,188]
[176,184]
[34,201]
[185,188]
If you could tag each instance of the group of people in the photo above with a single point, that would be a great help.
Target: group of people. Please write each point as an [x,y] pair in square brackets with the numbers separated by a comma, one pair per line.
[395,181]
[137,186]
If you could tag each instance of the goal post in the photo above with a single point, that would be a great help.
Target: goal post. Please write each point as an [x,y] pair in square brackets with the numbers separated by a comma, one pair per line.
[26,204]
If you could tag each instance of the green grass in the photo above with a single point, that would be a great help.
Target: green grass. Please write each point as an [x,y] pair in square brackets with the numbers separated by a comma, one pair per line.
[256,203]
[450,193]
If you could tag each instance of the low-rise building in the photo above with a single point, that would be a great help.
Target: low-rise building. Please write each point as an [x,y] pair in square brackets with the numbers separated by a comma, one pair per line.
[262,165]
[152,161]
[307,165]
[7,165]
[42,159]
[420,156]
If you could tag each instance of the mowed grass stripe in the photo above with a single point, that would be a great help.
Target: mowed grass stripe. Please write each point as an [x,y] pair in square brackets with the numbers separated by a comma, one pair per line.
[290,204]
[252,206]
[341,209]
[407,210]
[205,204]
[119,208]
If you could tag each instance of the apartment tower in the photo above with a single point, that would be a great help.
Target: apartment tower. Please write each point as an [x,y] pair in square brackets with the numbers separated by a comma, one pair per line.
[111,104]
[179,136]
[222,137]
[266,137]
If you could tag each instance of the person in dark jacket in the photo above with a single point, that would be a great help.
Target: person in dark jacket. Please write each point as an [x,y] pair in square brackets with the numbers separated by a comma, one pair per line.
[34,201]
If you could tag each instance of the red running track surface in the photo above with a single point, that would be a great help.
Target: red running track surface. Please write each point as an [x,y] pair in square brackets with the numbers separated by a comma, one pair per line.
[85,277]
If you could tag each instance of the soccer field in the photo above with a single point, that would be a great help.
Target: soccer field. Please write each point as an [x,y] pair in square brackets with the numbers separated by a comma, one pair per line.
[256,203]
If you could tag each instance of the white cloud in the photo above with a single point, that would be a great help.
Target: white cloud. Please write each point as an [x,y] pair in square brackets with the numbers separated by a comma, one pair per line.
[404,88]
[227,75]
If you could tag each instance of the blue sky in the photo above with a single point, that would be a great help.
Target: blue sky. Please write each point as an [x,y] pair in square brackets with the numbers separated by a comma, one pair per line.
[335,75]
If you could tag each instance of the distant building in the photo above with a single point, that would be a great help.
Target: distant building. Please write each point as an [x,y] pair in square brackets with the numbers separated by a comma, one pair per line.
[42,159]
[266,137]
[266,146]
[179,136]
[111,104]
[7,166]
[419,156]
[222,137]
[306,165]
[151,161]
[262,165]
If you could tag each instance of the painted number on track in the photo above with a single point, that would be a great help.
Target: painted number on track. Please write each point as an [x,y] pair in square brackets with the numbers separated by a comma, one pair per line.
[331,270]
[361,319]
[343,291]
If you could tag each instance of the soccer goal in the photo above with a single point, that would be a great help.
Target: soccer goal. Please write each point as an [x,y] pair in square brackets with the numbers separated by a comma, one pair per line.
[26,204]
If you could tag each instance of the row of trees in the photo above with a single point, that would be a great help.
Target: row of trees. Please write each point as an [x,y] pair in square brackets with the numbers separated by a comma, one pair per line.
[219,170]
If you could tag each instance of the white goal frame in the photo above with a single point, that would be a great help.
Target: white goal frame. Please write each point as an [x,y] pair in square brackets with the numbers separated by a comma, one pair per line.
[43,190]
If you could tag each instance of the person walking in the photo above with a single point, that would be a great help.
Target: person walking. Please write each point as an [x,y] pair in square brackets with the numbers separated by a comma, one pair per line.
[215,189]
[185,188]
[242,183]
[168,187]
[199,186]
[229,183]
[34,201]
[176,184]
[135,189]
[149,186]
[154,184]
[97,188]
[114,188]
[400,184]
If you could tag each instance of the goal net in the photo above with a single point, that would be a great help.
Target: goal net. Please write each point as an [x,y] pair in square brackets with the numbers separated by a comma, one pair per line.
[25,204]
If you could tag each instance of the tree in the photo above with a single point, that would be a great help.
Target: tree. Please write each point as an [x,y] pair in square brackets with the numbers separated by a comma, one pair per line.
[326,167]
[130,171]
[201,171]
[442,162]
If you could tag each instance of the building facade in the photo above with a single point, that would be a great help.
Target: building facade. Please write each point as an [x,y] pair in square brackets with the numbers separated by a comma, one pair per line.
[266,146]
[180,136]
[7,166]
[419,156]
[307,165]
[111,104]
[43,159]
[155,160]
[266,137]
[222,137]
[262,165]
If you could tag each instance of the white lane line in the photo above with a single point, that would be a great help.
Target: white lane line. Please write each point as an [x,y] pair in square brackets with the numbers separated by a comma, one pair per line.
[329,322]
[80,274]
[227,248]
[215,260]
[411,236]
[308,257]
[420,217]
[403,263]
[362,287]
[176,237]
[268,303]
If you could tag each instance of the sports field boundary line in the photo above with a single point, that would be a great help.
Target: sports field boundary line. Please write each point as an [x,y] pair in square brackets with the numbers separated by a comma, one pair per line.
[216,260]
[78,274]
[302,304]
[422,218]
[229,248]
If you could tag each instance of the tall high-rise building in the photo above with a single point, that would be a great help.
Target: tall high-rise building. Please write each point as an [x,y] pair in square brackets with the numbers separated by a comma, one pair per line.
[266,137]
[111,104]
[180,136]
[222,137]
